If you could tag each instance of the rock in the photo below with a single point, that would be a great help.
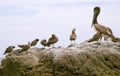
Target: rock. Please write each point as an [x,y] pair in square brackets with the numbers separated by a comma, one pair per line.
[85,59]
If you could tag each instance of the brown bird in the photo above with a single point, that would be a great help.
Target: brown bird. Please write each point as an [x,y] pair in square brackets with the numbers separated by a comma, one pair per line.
[115,39]
[96,37]
[34,42]
[73,36]
[24,47]
[44,43]
[9,49]
[100,28]
[52,40]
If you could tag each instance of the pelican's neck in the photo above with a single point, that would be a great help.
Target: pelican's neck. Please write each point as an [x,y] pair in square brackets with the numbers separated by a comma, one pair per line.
[95,21]
[95,16]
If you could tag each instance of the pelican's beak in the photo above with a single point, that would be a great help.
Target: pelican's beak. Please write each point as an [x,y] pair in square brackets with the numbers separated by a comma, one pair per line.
[94,17]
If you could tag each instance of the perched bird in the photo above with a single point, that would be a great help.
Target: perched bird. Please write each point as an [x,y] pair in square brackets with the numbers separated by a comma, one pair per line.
[44,43]
[24,47]
[100,28]
[73,36]
[52,40]
[96,37]
[34,42]
[9,49]
[115,39]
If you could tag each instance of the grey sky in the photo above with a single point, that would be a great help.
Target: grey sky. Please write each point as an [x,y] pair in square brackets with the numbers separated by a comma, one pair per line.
[24,20]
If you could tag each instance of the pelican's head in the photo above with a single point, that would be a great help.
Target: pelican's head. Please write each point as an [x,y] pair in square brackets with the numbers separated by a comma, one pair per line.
[96,13]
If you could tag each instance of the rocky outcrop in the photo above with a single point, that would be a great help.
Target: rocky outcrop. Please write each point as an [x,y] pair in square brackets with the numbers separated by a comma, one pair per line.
[85,59]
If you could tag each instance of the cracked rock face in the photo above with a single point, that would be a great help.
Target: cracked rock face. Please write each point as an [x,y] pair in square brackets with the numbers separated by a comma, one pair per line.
[85,59]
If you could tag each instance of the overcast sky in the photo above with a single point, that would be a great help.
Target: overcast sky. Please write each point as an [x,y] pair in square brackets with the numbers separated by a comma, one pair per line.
[24,20]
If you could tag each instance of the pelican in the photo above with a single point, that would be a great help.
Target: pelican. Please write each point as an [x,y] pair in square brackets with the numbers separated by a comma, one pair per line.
[9,49]
[73,36]
[98,27]
[52,40]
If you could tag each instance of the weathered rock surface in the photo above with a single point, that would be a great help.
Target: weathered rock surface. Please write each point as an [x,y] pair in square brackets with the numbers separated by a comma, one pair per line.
[85,59]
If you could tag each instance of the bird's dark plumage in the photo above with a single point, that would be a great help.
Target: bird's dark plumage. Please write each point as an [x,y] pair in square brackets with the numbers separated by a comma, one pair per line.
[34,42]
[9,49]
[24,47]
[52,40]
[73,35]
[115,39]
[44,43]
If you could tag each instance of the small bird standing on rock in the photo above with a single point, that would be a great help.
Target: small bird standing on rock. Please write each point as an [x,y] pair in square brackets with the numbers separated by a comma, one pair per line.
[44,43]
[34,42]
[9,49]
[73,36]
[52,40]
[115,39]
[24,47]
